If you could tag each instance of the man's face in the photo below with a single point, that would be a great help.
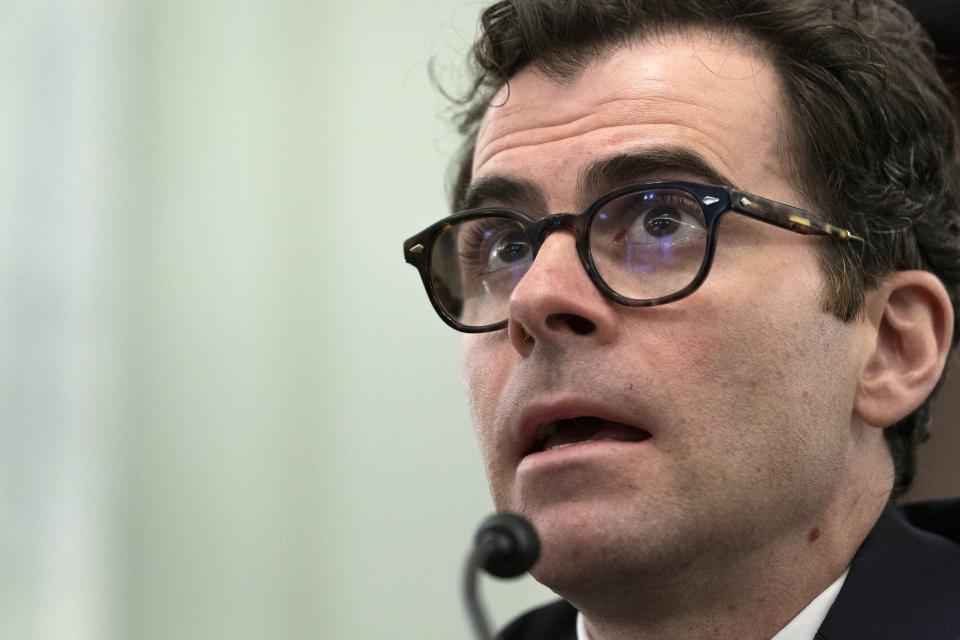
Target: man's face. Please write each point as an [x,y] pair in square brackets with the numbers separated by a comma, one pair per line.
[744,388]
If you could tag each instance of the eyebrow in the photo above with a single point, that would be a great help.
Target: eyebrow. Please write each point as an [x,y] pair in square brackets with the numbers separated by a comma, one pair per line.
[664,163]
[599,177]
[504,191]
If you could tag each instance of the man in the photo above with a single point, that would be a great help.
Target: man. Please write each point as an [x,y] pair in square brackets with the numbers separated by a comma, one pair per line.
[705,389]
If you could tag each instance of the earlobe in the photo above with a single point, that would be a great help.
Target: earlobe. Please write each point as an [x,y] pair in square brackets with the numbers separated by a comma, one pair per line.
[911,323]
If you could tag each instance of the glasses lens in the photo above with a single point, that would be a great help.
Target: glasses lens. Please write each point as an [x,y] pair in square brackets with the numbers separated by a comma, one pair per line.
[475,266]
[649,244]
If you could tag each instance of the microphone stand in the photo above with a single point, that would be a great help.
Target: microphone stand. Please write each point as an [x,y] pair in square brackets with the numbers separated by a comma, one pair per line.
[475,559]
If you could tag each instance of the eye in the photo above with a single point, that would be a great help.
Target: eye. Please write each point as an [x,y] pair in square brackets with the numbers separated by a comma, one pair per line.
[658,218]
[664,222]
[489,245]
[509,250]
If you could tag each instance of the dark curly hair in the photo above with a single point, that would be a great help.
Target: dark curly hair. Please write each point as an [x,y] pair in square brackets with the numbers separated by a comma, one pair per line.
[871,124]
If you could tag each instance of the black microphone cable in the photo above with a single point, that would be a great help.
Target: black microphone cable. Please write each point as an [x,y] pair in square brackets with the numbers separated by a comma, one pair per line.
[505,545]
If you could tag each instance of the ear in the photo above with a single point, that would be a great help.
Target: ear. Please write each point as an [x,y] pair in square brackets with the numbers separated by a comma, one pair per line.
[910,325]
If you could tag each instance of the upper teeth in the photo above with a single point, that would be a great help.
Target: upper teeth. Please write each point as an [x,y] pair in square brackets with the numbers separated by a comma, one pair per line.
[570,444]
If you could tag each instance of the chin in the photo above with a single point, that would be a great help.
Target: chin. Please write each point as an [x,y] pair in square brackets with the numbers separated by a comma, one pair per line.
[581,569]
[567,571]
[594,548]
[576,550]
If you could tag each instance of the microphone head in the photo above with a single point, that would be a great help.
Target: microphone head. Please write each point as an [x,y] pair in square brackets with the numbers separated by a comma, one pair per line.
[512,543]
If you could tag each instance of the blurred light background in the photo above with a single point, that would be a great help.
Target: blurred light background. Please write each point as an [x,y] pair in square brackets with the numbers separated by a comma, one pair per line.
[227,410]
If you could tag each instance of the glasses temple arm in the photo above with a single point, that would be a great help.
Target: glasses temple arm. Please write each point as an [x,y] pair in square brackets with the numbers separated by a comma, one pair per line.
[783,215]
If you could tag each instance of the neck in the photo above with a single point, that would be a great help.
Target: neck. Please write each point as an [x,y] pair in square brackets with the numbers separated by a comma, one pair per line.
[743,595]
[734,606]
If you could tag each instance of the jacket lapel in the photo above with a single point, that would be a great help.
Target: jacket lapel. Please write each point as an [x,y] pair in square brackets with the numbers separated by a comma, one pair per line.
[904,584]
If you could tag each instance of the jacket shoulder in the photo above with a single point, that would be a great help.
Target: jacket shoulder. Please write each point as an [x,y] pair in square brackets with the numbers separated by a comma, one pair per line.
[556,621]
[904,582]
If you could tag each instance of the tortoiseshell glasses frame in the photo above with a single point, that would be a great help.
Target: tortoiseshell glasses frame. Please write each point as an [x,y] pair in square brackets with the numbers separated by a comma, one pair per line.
[447,277]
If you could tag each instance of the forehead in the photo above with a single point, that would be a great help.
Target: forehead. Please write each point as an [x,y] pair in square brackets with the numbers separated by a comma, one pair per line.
[712,95]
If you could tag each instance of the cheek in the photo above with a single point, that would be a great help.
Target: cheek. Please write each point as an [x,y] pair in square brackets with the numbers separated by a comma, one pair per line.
[753,343]
[769,392]
[759,317]
[486,363]
[483,377]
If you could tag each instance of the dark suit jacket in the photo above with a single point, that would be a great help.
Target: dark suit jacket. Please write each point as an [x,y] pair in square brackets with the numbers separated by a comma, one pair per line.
[904,584]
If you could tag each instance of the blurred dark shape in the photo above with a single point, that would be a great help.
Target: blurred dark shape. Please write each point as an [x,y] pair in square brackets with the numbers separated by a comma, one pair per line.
[941,19]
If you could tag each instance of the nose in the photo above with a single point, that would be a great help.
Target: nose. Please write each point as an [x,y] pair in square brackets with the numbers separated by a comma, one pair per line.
[556,301]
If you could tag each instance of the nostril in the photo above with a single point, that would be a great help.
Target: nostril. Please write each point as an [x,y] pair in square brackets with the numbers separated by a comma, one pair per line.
[578,324]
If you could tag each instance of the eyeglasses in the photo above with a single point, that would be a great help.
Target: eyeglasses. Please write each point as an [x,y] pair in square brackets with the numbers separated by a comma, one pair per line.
[642,245]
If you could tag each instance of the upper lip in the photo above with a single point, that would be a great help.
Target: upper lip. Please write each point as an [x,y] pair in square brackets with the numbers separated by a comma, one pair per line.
[536,414]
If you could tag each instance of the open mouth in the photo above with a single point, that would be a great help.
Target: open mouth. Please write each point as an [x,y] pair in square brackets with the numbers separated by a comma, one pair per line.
[571,431]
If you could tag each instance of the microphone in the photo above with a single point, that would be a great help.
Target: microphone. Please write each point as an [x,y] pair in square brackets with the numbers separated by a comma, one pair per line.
[505,546]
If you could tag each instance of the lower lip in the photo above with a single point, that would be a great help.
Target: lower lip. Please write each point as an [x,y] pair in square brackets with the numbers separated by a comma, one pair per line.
[580,452]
